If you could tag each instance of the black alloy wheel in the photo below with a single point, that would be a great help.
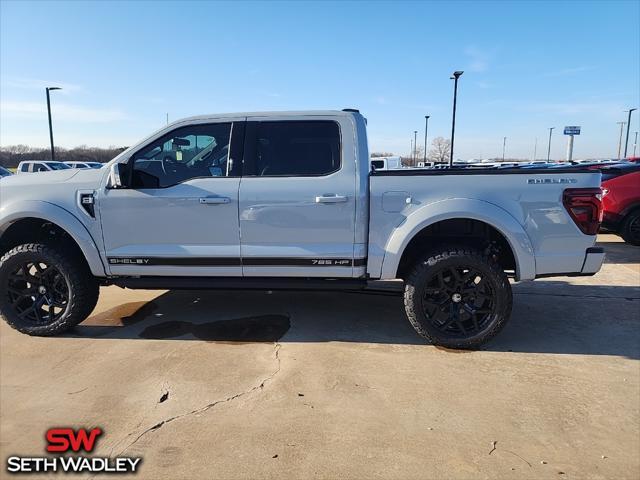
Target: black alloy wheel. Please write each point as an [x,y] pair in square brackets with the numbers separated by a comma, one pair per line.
[45,290]
[458,301]
[457,298]
[38,292]
[631,228]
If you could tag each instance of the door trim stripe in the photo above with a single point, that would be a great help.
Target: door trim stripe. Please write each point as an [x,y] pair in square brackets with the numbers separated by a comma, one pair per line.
[236,261]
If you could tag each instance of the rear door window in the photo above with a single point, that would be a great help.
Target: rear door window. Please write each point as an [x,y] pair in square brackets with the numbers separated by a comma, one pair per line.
[294,148]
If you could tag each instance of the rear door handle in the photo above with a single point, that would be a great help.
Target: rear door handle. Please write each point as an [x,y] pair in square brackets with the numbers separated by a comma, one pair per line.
[331,198]
[214,200]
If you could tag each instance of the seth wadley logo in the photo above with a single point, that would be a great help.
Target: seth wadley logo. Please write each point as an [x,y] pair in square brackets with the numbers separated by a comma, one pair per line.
[63,440]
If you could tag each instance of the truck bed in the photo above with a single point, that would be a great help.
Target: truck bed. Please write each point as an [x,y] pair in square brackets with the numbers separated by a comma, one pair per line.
[525,206]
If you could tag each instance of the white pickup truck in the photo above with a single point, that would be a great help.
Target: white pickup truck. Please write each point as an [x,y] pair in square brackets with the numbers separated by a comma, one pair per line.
[288,201]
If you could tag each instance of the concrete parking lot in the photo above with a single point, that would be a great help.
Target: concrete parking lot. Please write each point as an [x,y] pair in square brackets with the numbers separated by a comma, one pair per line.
[337,385]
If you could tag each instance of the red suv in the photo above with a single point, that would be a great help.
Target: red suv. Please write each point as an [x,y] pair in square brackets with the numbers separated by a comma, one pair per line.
[621,200]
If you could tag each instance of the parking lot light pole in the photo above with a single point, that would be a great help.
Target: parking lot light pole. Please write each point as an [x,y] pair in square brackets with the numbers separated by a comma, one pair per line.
[415,146]
[626,142]
[426,129]
[411,150]
[635,144]
[504,146]
[455,77]
[622,124]
[549,147]
[48,89]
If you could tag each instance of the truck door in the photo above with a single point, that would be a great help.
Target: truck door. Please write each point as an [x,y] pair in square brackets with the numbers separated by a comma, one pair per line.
[179,214]
[297,198]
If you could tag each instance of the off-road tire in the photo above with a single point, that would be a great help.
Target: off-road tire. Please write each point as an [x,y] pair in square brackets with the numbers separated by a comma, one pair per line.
[630,228]
[81,287]
[425,272]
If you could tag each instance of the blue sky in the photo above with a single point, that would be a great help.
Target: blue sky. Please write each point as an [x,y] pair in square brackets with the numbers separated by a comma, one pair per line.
[528,66]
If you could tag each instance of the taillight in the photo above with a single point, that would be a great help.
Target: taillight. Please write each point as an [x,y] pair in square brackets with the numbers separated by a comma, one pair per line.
[585,208]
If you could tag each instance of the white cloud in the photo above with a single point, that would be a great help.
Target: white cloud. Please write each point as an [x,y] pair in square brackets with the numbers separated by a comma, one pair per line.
[38,84]
[60,111]
[608,109]
[568,71]
[479,59]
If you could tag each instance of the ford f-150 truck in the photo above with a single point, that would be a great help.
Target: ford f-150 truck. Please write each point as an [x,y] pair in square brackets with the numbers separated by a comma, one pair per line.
[288,201]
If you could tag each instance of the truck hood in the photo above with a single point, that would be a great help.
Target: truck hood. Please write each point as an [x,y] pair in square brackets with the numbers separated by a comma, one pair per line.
[58,187]
[40,178]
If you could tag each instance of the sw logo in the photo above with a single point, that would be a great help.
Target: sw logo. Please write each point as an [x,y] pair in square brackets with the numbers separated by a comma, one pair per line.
[66,440]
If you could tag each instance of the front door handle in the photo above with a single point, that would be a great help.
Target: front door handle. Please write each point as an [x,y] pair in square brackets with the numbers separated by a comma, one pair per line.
[331,198]
[214,200]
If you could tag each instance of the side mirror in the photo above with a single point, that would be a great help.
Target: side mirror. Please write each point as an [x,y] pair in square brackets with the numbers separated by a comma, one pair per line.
[118,175]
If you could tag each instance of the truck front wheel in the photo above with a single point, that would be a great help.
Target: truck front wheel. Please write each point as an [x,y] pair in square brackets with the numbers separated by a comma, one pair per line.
[457,298]
[630,231]
[45,291]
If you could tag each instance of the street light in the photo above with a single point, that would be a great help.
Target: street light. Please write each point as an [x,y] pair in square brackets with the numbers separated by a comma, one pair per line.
[635,144]
[549,147]
[411,150]
[622,124]
[415,146]
[504,146]
[426,128]
[626,142]
[455,77]
[48,89]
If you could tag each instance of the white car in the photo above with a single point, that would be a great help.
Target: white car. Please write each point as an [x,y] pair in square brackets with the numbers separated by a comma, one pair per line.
[33,166]
[84,164]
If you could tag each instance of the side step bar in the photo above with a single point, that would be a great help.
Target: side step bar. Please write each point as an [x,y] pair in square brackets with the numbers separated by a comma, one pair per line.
[252,283]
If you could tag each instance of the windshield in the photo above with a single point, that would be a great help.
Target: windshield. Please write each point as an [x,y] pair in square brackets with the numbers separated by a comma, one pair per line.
[4,172]
[57,166]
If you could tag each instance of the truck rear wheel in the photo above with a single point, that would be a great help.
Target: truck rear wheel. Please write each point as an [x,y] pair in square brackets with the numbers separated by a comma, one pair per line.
[44,291]
[457,298]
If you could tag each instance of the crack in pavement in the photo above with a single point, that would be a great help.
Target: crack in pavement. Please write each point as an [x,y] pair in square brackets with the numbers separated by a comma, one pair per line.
[203,409]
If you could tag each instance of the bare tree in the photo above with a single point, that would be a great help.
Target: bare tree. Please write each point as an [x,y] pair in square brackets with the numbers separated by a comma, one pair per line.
[440,150]
[11,155]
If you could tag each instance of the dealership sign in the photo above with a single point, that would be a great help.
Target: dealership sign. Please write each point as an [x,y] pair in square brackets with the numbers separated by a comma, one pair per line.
[64,441]
[574,130]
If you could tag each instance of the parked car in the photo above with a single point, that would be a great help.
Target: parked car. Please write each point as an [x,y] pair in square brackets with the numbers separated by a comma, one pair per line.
[288,201]
[33,166]
[4,172]
[621,200]
[84,164]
